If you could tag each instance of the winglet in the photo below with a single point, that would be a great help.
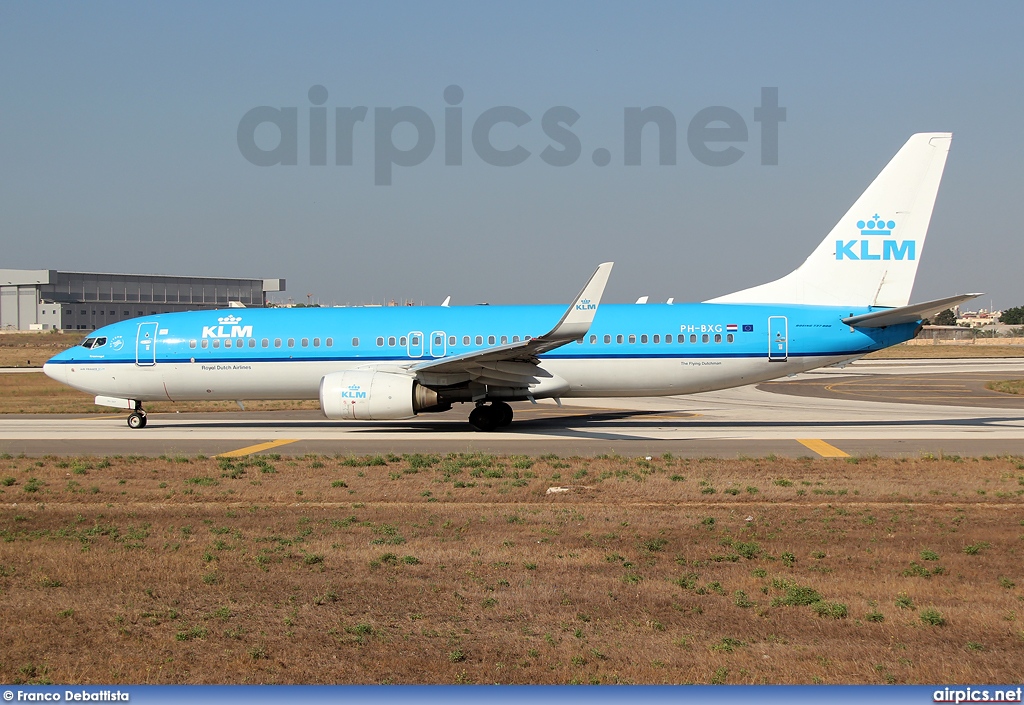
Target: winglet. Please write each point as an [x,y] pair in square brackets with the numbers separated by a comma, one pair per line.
[576,320]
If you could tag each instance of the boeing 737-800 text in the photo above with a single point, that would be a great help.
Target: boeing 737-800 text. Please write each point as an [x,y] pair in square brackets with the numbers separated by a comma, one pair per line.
[848,298]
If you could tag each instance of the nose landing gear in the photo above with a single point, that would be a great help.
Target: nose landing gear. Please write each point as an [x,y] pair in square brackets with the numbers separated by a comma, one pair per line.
[488,417]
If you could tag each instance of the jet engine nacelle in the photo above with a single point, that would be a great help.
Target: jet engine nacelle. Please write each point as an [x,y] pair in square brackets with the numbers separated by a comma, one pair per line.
[368,395]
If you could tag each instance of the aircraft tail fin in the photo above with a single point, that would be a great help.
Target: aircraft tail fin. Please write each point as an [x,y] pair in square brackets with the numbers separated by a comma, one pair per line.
[870,257]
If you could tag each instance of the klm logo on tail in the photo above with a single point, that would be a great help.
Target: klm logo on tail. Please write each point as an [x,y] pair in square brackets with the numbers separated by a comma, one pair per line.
[876,243]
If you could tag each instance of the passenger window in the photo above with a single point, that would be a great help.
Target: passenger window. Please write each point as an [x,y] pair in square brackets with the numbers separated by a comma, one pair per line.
[330,342]
[277,342]
[693,338]
[704,338]
[618,338]
[316,342]
[380,342]
[391,341]
[355,342]
[515,338]
[403,341]
[438,339]
[291,342]
[206,344]
[490,340]
[479,340]
[252,342]
[452,340]
[729,338]
[657,338]
[632,339]
[305,342]
[718,337]
[643,338]
[668,338]
[227,343]
[414,338]
[192,344]
[465,340]
[607,339]
[265,343]
[504,340]
[216,343]
[593,339]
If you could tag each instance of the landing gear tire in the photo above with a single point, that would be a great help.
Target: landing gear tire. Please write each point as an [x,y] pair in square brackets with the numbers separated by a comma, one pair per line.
[503,412]
[483,418]
[136,420]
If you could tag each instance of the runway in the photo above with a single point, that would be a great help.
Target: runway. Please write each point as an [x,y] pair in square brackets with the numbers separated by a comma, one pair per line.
[888,408]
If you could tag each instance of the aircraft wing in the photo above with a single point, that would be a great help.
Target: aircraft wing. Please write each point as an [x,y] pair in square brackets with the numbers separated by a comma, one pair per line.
[573,325]
[906,314]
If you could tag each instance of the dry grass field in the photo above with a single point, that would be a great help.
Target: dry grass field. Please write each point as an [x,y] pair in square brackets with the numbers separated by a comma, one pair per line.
[464,569]
[33,349]
[32,393]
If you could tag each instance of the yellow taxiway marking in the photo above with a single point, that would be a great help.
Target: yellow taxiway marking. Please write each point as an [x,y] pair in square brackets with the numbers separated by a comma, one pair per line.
[249,450]
[822,448]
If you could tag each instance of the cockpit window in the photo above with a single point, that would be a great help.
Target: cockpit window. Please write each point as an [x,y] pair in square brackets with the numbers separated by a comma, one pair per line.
[91,343]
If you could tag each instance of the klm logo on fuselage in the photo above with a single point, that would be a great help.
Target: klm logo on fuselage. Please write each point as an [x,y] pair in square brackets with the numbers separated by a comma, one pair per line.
[877,243]
[353,392]
[228,328]
[585,305]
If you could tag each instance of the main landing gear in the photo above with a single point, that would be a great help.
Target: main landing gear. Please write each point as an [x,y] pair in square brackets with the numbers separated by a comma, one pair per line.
[137,419]
[488,417]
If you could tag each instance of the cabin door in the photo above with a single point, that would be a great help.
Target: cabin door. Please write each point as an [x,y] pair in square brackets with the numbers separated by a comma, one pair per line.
[778,345]
[145,345]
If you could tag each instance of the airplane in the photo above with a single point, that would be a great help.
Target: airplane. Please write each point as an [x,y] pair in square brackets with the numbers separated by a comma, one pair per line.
[848,298]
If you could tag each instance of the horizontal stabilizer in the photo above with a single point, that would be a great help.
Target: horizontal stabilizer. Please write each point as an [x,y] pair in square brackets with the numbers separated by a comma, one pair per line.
[906,314]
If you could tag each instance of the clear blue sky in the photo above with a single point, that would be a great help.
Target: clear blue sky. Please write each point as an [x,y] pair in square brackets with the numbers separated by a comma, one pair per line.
[118,142]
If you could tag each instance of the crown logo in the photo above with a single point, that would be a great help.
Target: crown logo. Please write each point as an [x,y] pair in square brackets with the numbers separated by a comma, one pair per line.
[229,320]
[876,226]
[353,387]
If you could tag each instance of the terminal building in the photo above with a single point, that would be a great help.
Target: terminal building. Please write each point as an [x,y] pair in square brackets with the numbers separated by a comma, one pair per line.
[46,299]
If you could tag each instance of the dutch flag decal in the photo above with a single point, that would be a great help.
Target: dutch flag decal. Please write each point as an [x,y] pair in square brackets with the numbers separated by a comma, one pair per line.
[732,327]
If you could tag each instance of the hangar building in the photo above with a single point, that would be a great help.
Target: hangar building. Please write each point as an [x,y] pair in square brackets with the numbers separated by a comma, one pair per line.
[46,299]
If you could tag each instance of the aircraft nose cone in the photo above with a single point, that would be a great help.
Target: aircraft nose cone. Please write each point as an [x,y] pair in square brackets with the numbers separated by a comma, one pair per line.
[55,371]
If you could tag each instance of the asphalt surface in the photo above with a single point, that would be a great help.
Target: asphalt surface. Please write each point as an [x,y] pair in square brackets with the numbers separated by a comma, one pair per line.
[889,408]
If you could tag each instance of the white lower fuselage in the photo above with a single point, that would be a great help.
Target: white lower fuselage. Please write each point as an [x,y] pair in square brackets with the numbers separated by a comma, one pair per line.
[617,377]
